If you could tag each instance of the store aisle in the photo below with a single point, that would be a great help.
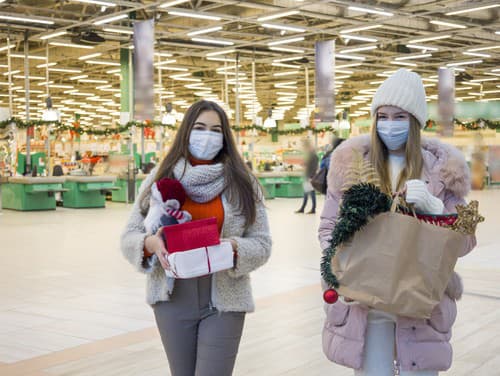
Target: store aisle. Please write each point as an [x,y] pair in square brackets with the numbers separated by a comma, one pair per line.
[71,305]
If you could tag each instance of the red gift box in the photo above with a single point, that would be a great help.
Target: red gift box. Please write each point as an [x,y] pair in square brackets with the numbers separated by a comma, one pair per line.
[191,235]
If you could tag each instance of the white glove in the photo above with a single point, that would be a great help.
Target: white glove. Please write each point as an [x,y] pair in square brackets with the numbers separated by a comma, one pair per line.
[417,194]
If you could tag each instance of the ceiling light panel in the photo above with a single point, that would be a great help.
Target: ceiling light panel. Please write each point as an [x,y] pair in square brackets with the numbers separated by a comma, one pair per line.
[278,15]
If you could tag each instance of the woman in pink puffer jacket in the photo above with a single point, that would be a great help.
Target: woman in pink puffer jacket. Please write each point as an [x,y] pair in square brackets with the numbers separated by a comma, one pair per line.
[435,178]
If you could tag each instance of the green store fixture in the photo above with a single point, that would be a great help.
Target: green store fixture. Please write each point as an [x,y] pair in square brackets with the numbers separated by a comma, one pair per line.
[87,191]
[37,159]
[281,184]
[120,194]
[31,193]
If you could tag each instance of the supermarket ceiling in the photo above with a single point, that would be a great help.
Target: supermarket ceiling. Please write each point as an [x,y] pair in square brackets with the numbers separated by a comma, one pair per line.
[77,43]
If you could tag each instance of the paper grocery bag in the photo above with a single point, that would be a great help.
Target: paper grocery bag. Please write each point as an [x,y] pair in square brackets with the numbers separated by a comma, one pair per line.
[398,264]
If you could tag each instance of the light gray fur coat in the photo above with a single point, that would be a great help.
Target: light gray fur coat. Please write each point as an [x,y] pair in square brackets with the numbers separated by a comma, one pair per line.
[231,289]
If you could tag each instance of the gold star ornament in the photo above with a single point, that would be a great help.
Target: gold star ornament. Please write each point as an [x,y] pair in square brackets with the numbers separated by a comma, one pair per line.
[468,218]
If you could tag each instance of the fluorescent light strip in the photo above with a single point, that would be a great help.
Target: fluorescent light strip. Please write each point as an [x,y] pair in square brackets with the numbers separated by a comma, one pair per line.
[61,44]
[12,72]
[484,79]
[53,35]
[224,52]
[172,3]
[283,27]
[278,15]
[29,77]
[355,37]
[24,19]
[213,41]
[32,57]
[412,57]
[221,59]
[442,23]
[171,61]
[7,47]
[173,69]
[205,31]
[425,48]
[348,65]
[288,73]
[372,11]
[472,9]
[285,41]
[79,77]
[64,70]
[476,54]
[358,49]
[101,62]
[97,2]
[360,28]
[286,49]
[430,38]
[111,19]
[464,63]
[46,65]
[90,56]
[349,57]
[119,31]
[200,16]
[61,86]
[483,48]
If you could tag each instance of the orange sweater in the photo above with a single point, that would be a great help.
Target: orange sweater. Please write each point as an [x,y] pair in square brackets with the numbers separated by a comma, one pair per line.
[213,208]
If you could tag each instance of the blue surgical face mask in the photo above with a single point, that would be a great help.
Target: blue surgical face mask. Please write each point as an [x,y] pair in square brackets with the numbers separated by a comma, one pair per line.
[205,145]
[394,133]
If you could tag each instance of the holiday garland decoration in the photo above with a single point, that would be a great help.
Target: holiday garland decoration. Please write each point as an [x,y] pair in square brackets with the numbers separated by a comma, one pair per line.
[479,124]
[359,203]
[76,128]
[282,132]
[476,125]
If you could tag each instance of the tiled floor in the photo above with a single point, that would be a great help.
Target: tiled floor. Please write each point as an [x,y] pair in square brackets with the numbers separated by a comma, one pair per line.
[71,305]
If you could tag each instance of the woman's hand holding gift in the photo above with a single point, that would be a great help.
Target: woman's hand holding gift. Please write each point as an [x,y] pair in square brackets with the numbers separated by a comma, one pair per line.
[154,244]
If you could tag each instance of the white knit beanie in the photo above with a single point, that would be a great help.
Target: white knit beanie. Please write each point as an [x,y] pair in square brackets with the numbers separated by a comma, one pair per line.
[404,89]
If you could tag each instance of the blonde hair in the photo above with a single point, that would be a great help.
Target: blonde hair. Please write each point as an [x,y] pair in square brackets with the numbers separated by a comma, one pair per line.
[379,155]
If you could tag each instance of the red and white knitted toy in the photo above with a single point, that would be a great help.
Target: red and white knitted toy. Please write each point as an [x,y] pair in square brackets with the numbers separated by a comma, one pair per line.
[167,198]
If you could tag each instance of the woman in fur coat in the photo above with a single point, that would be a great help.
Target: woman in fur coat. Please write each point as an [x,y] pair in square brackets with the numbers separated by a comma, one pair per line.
[435,178]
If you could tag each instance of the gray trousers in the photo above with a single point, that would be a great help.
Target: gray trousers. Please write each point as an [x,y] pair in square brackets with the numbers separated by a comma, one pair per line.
[198,340]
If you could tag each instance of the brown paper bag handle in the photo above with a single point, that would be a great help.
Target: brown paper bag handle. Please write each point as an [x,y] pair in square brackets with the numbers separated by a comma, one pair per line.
[396,201]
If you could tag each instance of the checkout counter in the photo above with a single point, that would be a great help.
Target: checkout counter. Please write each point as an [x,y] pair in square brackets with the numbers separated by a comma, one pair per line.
[281,184]
[31,193]
[87,191]
[122,185]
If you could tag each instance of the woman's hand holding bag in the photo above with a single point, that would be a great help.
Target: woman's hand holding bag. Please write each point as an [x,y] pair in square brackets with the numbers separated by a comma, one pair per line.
[418,195]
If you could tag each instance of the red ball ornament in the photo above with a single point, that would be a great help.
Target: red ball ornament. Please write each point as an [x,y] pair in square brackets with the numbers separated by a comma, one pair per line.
[330,296]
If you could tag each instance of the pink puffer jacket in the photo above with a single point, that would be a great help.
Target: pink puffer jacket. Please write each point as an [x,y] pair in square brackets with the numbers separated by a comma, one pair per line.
[420,344]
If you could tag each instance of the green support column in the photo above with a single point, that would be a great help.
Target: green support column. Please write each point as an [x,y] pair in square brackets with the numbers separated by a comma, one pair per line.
[126,80]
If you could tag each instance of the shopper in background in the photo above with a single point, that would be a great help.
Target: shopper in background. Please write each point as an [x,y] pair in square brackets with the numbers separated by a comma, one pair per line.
[201,319]
[311,166]
[435,178]
[325,161]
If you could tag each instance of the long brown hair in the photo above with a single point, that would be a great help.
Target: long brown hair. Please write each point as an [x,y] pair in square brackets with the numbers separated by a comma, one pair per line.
[242,187]
[379,155]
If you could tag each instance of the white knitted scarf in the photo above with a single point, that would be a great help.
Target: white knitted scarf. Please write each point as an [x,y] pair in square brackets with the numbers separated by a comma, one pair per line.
[202,183]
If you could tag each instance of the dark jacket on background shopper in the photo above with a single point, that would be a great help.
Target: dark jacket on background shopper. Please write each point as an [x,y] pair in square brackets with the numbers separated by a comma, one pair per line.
[311,164]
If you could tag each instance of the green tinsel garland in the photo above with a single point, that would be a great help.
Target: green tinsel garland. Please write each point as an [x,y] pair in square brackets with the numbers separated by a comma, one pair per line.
[359,203]
[283,132]
[58,126]
[476,125]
